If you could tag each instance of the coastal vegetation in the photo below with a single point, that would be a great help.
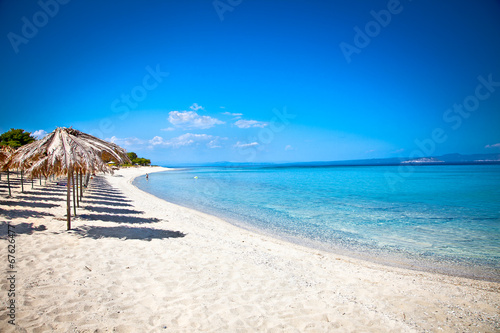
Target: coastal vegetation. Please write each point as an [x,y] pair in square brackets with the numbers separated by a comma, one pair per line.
[16,138]
[138,160]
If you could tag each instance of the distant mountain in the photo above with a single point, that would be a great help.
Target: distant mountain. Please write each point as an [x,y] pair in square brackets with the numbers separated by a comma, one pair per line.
[423,160]
[223,164]
[458,159]
[475,158]
[431,160]
[448,159]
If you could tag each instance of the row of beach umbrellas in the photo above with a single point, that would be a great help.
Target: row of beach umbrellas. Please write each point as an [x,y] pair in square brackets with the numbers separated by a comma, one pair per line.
[64,152]
[5,153]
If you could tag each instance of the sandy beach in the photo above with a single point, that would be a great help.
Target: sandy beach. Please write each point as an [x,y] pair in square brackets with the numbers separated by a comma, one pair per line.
[135,263]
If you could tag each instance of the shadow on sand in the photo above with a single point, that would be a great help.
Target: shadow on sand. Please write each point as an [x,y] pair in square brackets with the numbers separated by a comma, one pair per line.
[106,203]
[106,192]
[39,198]
[112,210]
[146,234]
[21,228]
[118,218]
[28,204]
[107,197]
[25,213]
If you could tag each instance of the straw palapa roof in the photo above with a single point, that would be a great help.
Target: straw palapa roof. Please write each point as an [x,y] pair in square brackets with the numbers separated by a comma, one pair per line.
[5,152]
[64,150]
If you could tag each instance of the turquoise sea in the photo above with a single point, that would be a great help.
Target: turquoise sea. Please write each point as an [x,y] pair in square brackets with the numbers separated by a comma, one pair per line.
[436,218]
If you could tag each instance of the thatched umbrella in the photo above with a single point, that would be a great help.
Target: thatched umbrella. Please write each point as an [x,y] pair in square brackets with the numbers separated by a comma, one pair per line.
[65,151]
[5,153]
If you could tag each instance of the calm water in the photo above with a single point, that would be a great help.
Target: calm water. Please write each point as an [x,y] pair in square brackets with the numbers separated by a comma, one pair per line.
[438,218]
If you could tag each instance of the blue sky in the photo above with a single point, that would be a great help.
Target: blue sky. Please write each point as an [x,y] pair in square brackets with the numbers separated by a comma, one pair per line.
[257,81]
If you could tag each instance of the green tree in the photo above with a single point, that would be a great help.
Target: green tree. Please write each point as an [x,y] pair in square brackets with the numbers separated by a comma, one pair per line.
[16,138]
[138,160]
[132,156]
[142,161]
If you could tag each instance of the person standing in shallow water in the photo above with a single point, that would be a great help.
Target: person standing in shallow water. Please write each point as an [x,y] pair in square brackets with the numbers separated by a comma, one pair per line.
[147,177]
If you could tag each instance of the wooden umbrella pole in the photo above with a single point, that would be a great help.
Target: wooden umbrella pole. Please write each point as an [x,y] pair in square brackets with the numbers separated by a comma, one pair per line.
[74,199]
[87,181]
[68,200]
[22,182]
[81,186]
[31,182]
[8,182]
[77,195]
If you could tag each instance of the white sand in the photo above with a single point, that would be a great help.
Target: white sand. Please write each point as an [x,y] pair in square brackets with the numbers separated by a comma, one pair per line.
[146,265]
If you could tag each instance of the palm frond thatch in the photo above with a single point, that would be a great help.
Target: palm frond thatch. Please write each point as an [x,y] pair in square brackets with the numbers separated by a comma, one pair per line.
[64,151]
[5,152]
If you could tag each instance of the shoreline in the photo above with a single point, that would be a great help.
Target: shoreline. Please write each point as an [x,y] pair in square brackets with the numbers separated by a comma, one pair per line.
[136,262]
[454,267]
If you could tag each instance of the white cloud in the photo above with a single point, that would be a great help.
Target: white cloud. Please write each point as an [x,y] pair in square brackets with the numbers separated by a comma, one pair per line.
[125,141]
[168,129]
[288,147]
[235,115]
[188,139]
[496,145]
[39,134]
[215,143]
[192,120]
[245,145]
[157,140]
[250,123]
[196,107]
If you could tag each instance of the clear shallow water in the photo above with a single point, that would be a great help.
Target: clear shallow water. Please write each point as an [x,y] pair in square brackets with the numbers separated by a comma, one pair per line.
[438,218]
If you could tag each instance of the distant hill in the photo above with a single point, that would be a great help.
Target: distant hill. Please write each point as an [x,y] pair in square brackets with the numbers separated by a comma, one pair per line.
[458,159]
[423,160]
[449,159]
[431,160]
